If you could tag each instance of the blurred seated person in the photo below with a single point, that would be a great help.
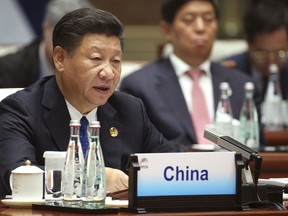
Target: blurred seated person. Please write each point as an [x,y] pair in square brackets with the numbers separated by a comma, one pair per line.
[34,60]
[165,85]
[265,25]
[87,55]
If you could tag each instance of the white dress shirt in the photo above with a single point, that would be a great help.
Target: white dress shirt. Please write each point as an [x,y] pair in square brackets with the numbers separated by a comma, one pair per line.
[75,114]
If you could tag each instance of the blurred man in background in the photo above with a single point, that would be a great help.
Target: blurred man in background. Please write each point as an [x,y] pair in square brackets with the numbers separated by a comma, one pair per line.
[165,85]
[265,24]
[33,61]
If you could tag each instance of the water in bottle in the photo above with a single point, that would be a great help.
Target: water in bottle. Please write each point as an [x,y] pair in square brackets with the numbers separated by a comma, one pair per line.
[94,172]
[249,124]
[224,116]
[73,168]
[272,106]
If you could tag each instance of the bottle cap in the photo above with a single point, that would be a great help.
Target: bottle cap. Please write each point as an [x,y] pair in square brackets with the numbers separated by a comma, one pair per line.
[273,68]
[249,86]
[224,86]
[74,122]
[95,124]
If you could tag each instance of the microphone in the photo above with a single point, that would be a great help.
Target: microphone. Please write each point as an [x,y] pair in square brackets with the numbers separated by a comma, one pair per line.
[233,145]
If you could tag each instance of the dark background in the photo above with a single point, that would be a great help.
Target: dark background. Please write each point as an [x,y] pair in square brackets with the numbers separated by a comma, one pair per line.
[146,12]
[141,19]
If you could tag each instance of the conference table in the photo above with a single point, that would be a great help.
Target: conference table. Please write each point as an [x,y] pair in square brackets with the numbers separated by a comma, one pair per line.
[275,164]
[28,211]
[275,161]
[277,138]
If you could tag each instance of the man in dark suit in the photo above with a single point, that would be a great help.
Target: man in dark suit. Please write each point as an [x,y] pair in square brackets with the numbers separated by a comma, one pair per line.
[34,61]
[164,85]
[87,55]
[266,29]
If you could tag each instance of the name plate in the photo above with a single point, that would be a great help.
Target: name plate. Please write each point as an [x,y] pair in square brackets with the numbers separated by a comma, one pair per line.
[178,174]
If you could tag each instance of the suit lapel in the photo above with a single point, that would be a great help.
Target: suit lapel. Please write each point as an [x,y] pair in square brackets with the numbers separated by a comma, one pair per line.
[107,116]
[217,78]
[57,116]
[284,81]
[170,89]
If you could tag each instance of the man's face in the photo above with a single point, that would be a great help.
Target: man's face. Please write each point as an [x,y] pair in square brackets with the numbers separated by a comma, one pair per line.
[269,48]
[193,31]
[88,76]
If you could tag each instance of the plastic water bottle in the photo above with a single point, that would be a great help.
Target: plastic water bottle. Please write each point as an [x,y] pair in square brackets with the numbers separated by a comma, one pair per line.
[249,125]
[272,105]
[94,171]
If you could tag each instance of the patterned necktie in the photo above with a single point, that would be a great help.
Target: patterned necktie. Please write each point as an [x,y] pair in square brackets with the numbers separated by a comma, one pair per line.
[83,134]
[200,116]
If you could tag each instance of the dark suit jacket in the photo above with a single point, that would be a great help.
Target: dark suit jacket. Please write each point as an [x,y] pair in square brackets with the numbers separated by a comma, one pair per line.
[158,87]
[20,69]
[243,63]
[36,119]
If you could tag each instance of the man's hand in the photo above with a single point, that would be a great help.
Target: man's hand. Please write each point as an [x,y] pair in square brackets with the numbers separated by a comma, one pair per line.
[116,180]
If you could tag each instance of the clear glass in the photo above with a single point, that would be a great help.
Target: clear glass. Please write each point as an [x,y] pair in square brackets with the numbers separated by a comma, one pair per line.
[249,124]
[73,168]
[94,175]
[54,167]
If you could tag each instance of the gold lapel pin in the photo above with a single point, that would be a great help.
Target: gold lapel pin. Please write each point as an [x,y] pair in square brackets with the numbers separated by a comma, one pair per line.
[113,132]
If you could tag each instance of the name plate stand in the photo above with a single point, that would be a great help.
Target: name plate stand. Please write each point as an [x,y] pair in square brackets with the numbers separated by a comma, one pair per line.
[221,202]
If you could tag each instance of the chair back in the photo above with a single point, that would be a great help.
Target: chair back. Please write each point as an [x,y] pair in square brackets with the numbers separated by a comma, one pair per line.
[4,92]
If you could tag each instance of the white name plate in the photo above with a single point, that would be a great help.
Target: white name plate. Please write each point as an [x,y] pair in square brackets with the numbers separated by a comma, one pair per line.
[178,174]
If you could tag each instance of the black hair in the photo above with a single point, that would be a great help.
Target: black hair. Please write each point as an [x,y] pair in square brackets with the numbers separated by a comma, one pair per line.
[69,31]
[265,16]
[171,7]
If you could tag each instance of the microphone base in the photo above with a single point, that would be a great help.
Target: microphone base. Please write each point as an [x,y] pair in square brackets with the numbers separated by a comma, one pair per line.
[260,195]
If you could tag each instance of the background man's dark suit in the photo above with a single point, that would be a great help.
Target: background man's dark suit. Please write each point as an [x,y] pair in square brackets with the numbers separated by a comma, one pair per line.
[39,121]
[20,69]
[157,85]
[242,62]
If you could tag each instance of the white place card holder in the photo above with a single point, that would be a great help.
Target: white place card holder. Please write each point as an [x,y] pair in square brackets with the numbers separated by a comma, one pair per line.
[193,180]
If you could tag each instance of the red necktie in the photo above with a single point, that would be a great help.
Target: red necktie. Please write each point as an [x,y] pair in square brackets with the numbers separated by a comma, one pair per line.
[200,116]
